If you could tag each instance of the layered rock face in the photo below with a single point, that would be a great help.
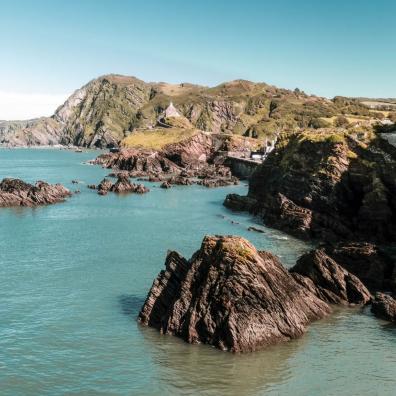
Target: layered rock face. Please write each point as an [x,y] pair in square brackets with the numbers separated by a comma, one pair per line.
[328,280]
[326,186]
[231,296]
[15,192]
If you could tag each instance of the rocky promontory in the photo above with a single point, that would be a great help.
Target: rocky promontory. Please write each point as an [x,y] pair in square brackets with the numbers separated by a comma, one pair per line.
[195,160]
[328,185]
[16,192]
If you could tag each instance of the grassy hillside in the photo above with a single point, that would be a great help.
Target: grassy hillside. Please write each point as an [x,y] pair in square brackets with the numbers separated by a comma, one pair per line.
[112,108]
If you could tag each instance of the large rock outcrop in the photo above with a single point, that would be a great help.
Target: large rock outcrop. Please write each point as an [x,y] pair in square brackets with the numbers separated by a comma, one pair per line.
[230,296]
[15,192]
[328,280]
[328,185]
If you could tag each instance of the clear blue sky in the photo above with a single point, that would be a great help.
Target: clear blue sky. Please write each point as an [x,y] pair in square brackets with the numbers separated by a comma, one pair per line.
[323,47]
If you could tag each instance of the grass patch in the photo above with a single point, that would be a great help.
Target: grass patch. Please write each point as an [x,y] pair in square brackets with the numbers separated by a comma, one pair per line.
[156,139]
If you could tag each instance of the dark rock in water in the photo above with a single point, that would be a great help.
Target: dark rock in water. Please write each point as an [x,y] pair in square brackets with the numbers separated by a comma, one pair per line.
[328,280]
[371,264]
[122,185]
[239,203]
[104,186]
[180,163]
[140,189]
[384,307]
[77,191]
[140,161]
[231,296]
[251,228]
[75,182]
[326,185]
[180,181]
[15,192]
[211,182]
[165,184]
[91,186]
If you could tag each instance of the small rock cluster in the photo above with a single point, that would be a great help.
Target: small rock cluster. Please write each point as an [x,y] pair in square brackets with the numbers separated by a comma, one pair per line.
[16,192]
[122,185]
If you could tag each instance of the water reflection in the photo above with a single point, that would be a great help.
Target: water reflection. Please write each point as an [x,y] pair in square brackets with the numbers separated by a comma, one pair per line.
[201,369]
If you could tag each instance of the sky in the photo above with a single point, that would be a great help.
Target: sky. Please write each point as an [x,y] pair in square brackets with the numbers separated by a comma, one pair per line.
[49,48]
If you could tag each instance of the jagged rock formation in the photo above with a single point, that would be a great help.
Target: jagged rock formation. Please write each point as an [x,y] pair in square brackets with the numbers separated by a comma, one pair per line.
[108,109]
[384,307]
[231,296]
[328,280]
[122,185]
[15,192]
[193,160]
[326,186]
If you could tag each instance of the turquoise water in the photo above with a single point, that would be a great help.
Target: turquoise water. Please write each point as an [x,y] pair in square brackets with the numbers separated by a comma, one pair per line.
[74,275]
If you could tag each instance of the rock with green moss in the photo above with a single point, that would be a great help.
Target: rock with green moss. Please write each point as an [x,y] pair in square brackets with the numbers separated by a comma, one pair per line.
[327,185]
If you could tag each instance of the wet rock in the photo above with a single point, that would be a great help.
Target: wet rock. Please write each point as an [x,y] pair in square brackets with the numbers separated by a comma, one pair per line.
[231,296]
[91,186]
[384,307]
[320,274]
[15,192]
[123,185]
[166,185]
[212,182]
[239,203]
[104,186]
[256,229]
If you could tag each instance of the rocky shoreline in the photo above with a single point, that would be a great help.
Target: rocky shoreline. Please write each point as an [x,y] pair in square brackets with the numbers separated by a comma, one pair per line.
[16,192]
[326,187]
[196,160]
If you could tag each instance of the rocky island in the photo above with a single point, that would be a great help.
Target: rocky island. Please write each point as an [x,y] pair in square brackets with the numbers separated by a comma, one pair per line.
[16,192]
[236,298]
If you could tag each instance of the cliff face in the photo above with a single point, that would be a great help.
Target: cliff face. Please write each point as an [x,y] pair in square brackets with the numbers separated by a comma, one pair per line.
[328,186]
[108,109]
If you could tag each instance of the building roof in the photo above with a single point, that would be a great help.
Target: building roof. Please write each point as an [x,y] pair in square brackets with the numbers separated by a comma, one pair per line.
[171,111]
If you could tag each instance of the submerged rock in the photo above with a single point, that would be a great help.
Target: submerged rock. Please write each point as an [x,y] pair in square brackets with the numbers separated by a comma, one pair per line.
[384,307]
[231,296]
[15,192]
[328,280]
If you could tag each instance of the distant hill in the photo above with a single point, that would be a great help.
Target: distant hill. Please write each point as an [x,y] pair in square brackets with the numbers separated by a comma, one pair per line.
[110,109]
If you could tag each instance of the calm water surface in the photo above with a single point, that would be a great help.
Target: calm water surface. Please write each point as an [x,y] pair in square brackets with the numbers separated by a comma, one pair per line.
[74,275]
